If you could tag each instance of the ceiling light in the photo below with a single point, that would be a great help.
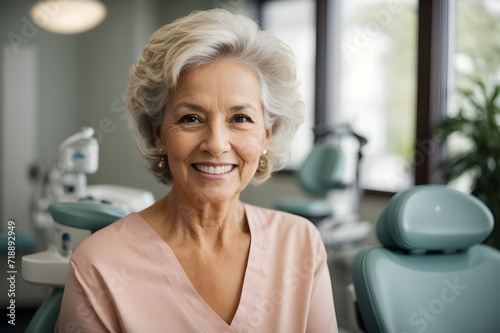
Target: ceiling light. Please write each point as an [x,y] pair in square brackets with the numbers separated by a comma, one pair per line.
[68,16]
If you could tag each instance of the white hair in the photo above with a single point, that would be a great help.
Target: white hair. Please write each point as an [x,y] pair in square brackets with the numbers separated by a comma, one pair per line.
[201,38]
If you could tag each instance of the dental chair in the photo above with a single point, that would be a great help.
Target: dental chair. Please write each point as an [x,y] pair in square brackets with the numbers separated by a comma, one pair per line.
[432,274]
[74,221]
[330,174]
[320,172]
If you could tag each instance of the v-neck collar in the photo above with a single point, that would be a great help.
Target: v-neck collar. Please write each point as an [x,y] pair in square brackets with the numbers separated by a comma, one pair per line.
[200,312]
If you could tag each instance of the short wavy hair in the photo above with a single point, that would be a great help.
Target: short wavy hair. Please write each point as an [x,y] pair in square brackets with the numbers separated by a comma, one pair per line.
[201,38]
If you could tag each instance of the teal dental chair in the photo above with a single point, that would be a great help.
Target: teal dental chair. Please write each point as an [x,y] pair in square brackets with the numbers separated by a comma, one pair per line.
[50,267]
[330,174]
[432,274]
[319,174]
[328,167]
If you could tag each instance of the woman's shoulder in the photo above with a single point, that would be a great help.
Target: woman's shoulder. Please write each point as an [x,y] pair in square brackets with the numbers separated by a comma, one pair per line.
[110,239]
[274,215]
[280,222]
[284,235]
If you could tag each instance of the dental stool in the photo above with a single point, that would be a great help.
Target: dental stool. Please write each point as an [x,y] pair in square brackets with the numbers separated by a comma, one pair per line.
[74,221]
[432,274]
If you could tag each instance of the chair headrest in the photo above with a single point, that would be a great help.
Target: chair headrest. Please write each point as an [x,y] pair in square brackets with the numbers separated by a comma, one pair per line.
[85,215]
[434,217]
[322,170]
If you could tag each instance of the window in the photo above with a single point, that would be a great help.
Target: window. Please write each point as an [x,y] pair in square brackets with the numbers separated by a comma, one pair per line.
[376,79]
[370,79]
[391,69]
[475,54]
[294,22]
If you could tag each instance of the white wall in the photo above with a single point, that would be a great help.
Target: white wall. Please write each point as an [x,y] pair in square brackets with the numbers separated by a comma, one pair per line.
[18,131]
[48,101]
[107,54]
[39,108]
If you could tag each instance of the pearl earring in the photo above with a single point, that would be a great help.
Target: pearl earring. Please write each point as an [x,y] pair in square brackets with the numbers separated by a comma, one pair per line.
[263,161]
[161,165]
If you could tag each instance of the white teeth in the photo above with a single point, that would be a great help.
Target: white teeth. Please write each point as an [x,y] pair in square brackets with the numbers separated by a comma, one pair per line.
[214,170]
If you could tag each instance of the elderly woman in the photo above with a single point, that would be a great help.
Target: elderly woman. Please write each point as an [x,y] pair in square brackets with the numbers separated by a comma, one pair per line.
[213,103]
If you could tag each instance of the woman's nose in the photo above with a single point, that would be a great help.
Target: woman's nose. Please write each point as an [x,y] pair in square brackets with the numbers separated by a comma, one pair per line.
[216,139]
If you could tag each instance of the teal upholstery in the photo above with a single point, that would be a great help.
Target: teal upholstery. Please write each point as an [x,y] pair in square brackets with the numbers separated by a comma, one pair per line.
[432,274]
[85,215]
[82,215]
[321,171]
[46,315]
[307,208]
[24,242]
[433,217]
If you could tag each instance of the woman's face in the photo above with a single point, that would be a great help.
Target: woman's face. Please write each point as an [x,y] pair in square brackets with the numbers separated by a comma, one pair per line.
[213,131]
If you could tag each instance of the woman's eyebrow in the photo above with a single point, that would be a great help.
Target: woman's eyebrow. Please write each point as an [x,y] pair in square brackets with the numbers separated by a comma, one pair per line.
[196,107]
[191,106]
[239,107]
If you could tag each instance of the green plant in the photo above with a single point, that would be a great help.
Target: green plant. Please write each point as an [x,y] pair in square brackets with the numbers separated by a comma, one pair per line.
[478,121]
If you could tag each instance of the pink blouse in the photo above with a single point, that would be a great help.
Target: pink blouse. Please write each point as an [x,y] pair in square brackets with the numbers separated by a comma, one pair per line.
[125,278]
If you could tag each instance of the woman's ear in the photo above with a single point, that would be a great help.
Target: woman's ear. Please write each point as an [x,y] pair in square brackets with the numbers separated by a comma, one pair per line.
[267,138]
[159,142]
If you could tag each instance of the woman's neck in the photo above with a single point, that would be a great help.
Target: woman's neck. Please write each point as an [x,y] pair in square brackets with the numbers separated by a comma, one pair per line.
[179,219]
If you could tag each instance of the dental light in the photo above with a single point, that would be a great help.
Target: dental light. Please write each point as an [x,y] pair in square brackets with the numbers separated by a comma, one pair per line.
[68,16]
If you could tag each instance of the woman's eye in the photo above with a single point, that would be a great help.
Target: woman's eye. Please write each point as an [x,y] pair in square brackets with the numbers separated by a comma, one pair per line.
[189,119]
[241,118]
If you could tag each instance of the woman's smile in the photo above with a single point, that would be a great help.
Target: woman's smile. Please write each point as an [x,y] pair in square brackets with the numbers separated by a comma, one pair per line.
[212,169]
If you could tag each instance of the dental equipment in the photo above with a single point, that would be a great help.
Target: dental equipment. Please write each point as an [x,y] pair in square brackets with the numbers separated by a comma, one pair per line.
[77,156]
[65,211]
[331,171]
[66,183]
[50,267]
[431,273]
